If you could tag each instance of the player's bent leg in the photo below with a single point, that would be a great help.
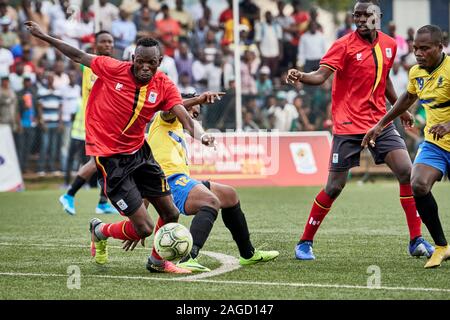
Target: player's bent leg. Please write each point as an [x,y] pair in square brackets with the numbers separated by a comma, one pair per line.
[234,220]
[167,213]
[423,179]
[227,195]
[204,205]
[99,245]
[88,169]
[138,227]
[399,162]
[320,208]
[165,208]
[84,174]
[142,222]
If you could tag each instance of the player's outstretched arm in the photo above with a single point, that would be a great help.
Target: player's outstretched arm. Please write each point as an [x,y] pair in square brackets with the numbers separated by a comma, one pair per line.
[69,51]
[315,78]
[205,98]
[196,131]
[406,117]
[402,105]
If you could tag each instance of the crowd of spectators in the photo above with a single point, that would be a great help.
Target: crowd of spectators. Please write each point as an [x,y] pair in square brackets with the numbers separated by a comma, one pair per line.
[40,89]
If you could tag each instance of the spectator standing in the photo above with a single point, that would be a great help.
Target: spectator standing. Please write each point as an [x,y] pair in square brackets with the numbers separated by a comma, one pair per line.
[311,49]
[71,99]
[287,24]
[124,33]
[50,121]
[8,105]
[268,36]
[169,30]
[107,13]
[27,99]
[6,60]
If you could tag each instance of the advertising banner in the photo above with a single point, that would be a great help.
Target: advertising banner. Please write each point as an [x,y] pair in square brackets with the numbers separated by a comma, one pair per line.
[263,159]
[10,175]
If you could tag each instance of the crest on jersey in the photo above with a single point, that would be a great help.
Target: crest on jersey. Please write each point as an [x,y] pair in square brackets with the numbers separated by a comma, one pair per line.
[389,53]
[359,56]
[152,97]
[420,83]
[440,81]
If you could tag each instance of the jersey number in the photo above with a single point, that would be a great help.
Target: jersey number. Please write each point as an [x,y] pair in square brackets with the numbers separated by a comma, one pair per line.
[182,181]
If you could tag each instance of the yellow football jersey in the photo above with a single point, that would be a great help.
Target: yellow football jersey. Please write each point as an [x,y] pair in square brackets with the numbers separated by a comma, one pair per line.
[78,127]
[168,144]
[433,91]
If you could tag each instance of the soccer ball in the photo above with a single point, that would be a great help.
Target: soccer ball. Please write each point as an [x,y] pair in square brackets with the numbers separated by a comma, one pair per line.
[173,241]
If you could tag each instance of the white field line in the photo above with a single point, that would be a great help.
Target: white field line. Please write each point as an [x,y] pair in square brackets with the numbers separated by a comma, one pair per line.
[224,282]
[231,282]
[228,263]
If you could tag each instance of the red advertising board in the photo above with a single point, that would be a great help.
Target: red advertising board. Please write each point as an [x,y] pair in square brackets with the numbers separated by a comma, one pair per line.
[263,159]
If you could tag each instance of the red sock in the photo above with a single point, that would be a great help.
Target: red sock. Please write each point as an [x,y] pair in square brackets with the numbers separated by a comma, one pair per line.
[159,224]
[409,206]
[321,206]
[123,230]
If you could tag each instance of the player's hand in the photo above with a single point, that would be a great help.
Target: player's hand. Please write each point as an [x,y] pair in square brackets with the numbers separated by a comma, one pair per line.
[294,76]
[131,244]
[208,140]
[210,97]
[407,120]
[371,136]
[439,130]
[34,29]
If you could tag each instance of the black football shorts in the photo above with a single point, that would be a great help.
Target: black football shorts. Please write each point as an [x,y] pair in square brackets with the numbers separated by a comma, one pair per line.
[127,179]
[346,149]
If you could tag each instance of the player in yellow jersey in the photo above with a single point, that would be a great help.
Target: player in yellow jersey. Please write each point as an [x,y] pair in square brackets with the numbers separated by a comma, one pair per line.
[104,46]
[429,81]
[203,199]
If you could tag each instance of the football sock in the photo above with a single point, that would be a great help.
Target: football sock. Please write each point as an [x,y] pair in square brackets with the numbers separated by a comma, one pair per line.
[428,211]
[155,258]
[103,199]
[201,227]
[234,220]
[321,206]
[123,230]
[76,185]
[409,206]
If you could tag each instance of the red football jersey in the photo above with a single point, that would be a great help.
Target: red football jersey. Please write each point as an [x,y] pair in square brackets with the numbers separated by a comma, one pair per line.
[359,86]
[119,109]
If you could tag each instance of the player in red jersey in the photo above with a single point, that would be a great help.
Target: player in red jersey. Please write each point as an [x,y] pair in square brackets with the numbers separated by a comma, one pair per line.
[123,99]
[361,62]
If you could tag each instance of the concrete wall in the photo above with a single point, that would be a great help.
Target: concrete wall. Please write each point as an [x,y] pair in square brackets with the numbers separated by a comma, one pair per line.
[410,13]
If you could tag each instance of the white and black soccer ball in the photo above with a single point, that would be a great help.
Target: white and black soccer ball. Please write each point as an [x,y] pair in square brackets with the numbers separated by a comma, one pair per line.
[173,241]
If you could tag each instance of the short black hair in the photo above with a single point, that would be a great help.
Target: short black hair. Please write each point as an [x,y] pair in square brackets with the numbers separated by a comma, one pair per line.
[435,32]
[98,34]
[148,42]
[375,2]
